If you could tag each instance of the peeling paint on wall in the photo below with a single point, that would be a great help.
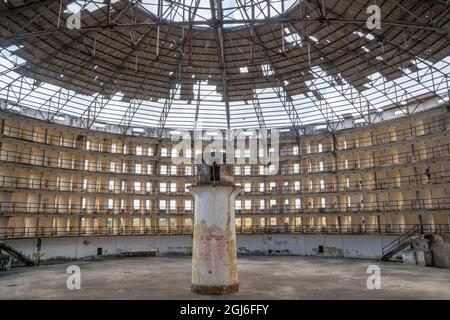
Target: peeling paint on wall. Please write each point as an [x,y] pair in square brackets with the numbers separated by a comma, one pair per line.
[329,252]
[307,245]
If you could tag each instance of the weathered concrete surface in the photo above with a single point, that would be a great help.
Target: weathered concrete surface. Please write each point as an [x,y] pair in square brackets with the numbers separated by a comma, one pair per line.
[349,246]
[261,278]
[214,267]
[409,257]
[441,251]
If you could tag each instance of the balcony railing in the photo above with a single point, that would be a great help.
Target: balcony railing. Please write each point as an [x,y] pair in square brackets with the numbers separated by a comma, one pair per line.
[358,207]
[397,135]
[67,142]
[37,208]
[14,182]
[93,166]
[75,142]
[344,165]
[48,232]
[78,164]
[388,206]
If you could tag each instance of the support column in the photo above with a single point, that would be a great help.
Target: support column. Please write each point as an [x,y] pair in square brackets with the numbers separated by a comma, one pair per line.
[214,258]
[3,227]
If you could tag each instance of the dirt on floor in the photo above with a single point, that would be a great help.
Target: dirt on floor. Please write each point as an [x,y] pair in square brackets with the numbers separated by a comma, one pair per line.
[260,277]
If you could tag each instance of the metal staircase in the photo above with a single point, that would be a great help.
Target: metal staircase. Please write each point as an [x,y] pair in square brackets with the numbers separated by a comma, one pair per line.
[400,243]
[16,254]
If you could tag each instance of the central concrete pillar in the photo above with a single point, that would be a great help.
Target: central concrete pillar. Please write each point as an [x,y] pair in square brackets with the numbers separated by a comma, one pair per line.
[214,258]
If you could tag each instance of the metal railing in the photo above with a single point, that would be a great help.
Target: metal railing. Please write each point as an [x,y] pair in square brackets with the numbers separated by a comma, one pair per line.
[74,142]
[76,163]
[96,166]
[15,182]
[401,240]
[34,208]
[361,229]
[369,207]
[344,165]
[77,141]
[399,135]
[37,208]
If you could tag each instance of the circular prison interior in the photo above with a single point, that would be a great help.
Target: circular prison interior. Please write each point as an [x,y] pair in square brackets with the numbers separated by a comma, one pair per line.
[332,117]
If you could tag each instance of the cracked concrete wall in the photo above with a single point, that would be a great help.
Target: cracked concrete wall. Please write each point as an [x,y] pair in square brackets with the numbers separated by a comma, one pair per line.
[349,246]
[354,246]
[78,248]
[441,251]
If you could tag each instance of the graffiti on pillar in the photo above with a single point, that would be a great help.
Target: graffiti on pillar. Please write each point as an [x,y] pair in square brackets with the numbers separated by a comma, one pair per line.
[213,246]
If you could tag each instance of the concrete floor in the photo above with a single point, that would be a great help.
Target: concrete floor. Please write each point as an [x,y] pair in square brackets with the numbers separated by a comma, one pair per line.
[260,278]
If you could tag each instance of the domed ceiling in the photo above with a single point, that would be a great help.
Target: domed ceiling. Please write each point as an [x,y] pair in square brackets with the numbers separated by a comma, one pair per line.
[228,64]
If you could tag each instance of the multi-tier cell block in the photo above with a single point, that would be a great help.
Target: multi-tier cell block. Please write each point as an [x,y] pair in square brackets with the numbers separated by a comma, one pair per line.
[59,180]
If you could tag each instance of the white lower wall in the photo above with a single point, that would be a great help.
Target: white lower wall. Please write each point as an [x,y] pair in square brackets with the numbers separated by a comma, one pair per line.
[351,246]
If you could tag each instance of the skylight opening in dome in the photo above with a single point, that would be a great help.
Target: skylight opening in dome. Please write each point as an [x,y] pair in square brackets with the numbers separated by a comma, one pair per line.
[243,69]
[212,107]
[259,87]
[368,36]
[292,37]
[313,38]
[11,60]
[232,10]
[89,5]
[267,70]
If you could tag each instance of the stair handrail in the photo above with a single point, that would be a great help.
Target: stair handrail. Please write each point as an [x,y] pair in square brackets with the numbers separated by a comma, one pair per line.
[400,239]
[16,254]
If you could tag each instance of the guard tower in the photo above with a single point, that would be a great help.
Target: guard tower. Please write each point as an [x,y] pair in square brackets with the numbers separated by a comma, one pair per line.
[214,267]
